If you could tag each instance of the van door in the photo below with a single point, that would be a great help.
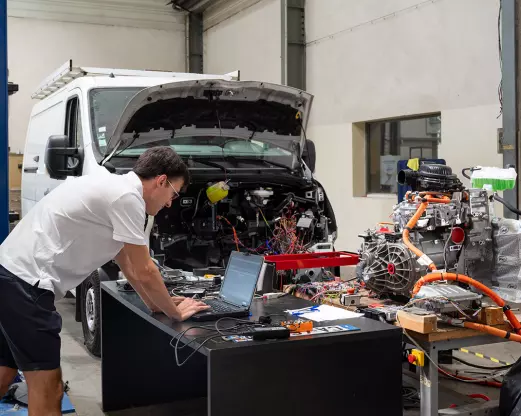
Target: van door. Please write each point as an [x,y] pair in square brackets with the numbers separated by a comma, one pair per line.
[42,124]
[74,130]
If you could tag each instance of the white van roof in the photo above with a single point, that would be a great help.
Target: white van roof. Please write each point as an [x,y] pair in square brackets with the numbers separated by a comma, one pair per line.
[111,77]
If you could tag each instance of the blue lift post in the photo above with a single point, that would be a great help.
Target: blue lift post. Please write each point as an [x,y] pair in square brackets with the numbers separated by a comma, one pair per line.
[4,146]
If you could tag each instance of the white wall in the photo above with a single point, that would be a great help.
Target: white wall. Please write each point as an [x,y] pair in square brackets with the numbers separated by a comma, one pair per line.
[249,41]
[440,57]
[38,46]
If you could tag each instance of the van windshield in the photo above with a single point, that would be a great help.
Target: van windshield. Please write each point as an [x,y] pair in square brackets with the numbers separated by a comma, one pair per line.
[106,108]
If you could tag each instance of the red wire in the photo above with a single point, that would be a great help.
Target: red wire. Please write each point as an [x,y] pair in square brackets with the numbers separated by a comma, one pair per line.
[484,382]
[235,237]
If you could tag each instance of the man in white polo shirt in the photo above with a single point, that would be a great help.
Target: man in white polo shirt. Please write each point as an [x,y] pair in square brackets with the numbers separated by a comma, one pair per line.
[81,225]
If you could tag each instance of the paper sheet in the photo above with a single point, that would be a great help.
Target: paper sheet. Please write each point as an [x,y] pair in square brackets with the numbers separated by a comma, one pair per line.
[328,313]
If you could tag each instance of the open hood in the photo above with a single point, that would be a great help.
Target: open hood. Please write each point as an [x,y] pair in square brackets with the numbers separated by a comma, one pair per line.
[247,110]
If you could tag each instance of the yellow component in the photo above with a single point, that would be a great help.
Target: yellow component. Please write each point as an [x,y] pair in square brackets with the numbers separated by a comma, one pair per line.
[413,164]
[420,357]
[217,192]
[209,276]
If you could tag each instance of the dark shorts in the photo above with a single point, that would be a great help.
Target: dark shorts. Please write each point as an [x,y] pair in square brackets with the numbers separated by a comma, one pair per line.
[29,325]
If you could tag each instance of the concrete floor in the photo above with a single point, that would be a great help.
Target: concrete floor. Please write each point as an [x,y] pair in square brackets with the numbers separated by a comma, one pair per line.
[83,372]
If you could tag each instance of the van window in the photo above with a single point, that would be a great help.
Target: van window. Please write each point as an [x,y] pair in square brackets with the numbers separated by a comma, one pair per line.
[73,126]
[106,108]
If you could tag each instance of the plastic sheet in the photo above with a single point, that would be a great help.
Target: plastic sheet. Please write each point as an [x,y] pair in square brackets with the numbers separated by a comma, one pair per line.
[506,280]
[510,398]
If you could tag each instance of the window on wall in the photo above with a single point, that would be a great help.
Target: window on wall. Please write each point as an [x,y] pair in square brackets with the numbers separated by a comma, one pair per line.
[399,139]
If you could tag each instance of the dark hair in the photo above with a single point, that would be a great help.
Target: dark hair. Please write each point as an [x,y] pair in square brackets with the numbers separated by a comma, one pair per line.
[161,160]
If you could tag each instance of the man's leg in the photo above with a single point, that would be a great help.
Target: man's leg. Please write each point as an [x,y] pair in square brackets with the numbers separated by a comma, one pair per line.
[31,328]
[45,392]
[7,375]
[8,368]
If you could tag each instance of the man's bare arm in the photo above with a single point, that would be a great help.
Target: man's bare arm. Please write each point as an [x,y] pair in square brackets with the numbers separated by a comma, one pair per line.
[144,276]
[126,267]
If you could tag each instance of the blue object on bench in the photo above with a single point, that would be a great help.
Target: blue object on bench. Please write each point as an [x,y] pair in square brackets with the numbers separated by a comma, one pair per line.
[7,409]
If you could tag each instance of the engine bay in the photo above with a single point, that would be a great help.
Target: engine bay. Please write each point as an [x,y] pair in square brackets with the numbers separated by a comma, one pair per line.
[199,231]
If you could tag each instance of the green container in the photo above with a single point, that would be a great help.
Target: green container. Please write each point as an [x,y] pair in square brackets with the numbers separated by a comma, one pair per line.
[497,184]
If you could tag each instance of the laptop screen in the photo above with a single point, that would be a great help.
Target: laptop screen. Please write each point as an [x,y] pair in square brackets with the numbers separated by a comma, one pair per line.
[240,279]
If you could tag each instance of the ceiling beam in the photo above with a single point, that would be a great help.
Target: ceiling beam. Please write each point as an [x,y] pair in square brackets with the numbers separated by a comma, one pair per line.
[141,14]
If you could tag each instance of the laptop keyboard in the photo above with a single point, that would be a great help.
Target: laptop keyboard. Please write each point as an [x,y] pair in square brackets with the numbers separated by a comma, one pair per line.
[219,306]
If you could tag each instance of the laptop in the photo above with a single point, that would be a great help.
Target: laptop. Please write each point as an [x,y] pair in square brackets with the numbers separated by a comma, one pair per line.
[237,290]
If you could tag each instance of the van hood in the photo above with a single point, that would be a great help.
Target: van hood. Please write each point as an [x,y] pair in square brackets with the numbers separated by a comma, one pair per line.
[264,112]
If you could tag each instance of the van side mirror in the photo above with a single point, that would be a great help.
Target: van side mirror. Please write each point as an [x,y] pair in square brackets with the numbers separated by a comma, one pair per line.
[309,155]
[61,160]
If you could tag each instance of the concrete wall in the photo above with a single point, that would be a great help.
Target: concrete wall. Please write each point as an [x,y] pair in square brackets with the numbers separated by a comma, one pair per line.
[41,40]
[248,40]
[440,57]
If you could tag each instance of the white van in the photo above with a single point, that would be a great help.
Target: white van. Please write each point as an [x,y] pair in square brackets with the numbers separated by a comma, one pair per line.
[249,134]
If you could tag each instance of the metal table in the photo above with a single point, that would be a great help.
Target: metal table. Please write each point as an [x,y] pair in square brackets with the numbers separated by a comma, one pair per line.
[429,377]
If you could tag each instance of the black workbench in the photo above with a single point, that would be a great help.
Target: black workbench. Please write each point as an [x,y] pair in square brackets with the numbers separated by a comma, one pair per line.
[355,373]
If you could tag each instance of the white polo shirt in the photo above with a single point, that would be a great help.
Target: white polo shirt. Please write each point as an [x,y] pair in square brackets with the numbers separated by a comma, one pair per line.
[75,229]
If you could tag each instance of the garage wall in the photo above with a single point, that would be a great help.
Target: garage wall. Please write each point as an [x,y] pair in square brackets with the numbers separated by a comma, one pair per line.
[244,35]
[42,36]
[369,60]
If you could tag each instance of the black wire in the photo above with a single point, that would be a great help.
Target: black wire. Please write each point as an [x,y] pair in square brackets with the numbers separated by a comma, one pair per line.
[506,204]
[482,367]
[197,339]
[411,399]
[180,364]
[206,339]
[243,322]
[233,330]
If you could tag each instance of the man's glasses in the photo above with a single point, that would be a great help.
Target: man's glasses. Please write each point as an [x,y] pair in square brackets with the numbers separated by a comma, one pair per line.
[176,194]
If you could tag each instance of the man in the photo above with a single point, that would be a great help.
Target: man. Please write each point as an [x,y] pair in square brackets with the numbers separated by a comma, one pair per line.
[78,227]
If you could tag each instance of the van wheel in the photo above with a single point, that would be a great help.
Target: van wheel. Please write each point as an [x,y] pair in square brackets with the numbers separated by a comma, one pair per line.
[90,314]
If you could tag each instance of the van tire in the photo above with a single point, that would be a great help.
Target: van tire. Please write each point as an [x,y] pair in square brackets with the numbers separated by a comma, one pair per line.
[90,313]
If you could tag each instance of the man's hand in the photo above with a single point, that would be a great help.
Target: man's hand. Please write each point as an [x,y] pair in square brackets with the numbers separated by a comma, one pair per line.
[178,299]
[189,307]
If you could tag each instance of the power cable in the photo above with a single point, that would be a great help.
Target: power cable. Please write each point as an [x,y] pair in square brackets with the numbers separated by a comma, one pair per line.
[482,367]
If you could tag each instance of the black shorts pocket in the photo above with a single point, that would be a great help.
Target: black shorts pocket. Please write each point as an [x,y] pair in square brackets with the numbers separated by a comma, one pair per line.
[5,276]
[45,299]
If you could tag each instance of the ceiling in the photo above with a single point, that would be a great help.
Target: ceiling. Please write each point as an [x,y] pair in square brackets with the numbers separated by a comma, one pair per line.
[152,14]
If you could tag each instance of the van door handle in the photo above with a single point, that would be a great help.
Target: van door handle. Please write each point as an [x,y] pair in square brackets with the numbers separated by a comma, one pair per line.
[31,169]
